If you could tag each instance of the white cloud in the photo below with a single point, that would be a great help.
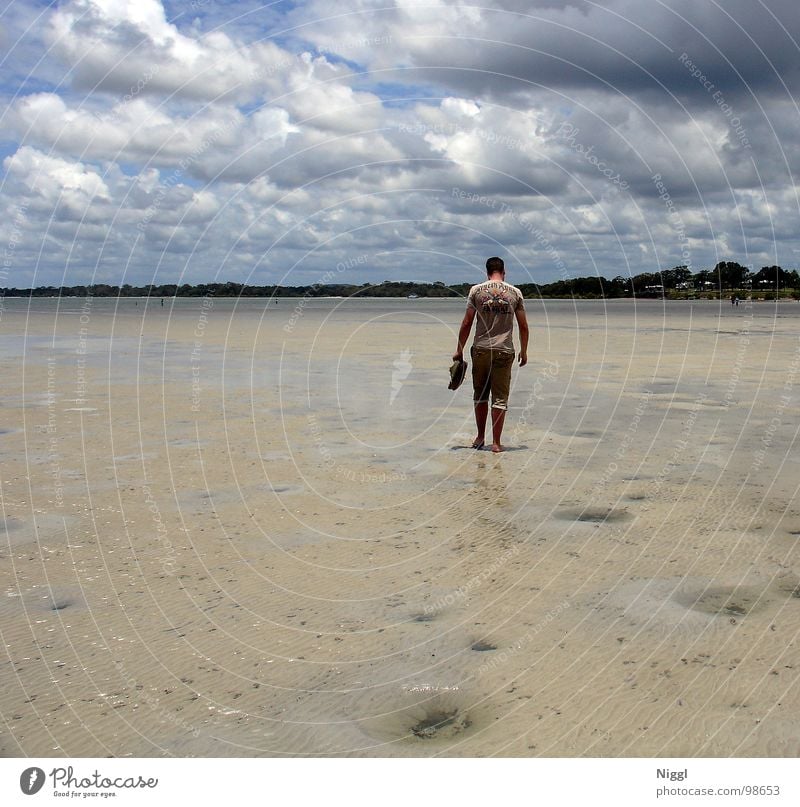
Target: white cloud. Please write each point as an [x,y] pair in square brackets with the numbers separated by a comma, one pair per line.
[351,139]
[51,177]
[127,47]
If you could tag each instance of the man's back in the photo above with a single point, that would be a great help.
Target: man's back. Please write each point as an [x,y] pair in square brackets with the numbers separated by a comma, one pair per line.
[495,303]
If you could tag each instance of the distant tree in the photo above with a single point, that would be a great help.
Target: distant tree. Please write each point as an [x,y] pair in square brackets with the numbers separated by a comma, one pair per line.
[702,277]
[773,278]
[670,278]
[731,275]
[621,286]
[642,281]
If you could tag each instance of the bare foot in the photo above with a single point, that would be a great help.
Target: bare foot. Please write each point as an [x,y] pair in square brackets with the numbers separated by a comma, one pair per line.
[478,442]
[497,448]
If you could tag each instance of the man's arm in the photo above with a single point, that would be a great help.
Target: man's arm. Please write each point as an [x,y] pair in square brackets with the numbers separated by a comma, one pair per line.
[463,333]
[522,321]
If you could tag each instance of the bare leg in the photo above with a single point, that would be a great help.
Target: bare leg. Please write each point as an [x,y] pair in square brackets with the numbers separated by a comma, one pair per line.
[498,419]
[481,413]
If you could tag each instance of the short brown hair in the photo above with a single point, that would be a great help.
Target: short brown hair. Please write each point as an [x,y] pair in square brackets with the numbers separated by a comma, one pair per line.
[495,265]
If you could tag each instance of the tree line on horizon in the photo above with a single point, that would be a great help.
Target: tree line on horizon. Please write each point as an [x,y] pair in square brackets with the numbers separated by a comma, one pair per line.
[725,276]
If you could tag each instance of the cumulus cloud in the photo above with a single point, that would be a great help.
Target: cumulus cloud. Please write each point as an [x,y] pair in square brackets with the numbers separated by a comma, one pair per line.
[50,177]
[298,137]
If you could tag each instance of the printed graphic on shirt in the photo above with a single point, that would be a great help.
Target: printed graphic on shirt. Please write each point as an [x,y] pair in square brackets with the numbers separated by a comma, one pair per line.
[496,303]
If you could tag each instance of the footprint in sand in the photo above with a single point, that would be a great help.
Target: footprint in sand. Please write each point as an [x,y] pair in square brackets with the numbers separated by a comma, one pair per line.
[594,515]
[684,605]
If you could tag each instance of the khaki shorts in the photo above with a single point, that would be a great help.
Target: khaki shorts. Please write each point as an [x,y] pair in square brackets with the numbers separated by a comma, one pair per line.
[491,372]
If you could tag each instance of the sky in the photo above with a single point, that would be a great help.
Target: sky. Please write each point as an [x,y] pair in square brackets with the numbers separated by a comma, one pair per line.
[295,143]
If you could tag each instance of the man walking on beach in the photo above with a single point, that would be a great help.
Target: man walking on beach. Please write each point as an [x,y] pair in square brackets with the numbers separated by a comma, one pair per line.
[497,304]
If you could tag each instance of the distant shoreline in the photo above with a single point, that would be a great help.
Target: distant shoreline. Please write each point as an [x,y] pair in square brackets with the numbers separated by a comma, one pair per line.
[704,297]
[669,285]
[786,296]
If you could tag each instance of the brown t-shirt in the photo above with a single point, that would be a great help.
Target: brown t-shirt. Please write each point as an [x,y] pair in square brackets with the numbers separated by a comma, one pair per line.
[495,303]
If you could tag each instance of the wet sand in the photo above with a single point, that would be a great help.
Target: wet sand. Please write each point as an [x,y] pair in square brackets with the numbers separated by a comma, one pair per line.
[248,529]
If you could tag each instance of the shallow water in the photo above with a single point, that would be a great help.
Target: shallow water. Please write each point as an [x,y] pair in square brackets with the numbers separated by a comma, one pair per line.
[240,528]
